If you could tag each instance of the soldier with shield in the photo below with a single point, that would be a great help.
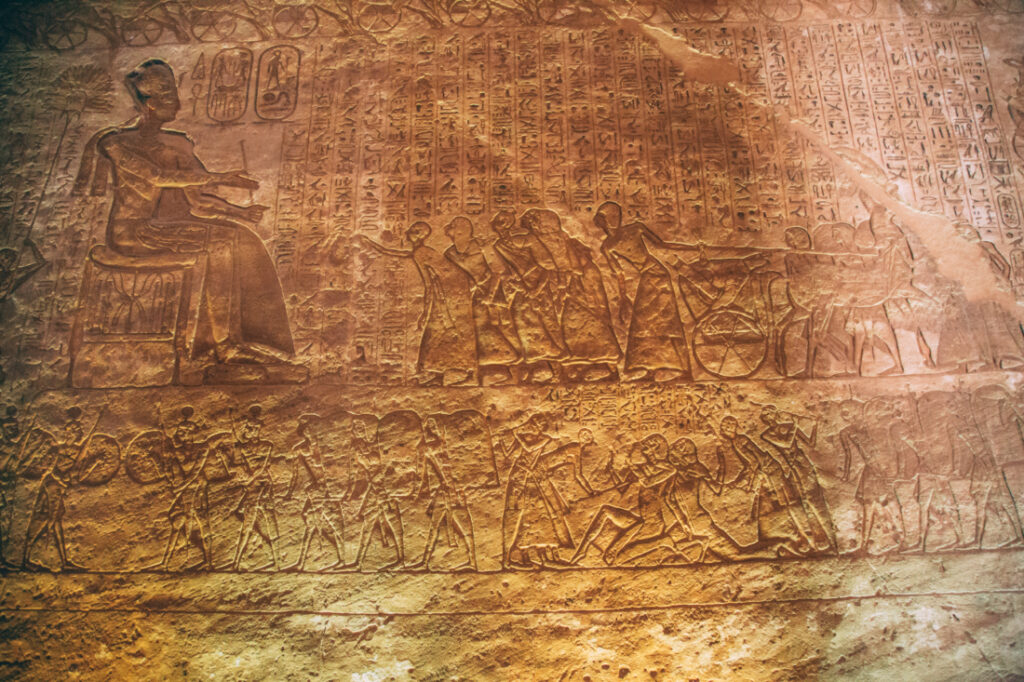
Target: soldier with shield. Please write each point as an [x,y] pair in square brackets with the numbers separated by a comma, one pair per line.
[447,505]
[321,514]
[48,508]
[255,506]
[378,510]
[186,471]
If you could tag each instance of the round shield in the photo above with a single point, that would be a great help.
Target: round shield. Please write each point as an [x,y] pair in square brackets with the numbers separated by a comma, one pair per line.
[144,456]
[219,455]
[38,452]
[99,460]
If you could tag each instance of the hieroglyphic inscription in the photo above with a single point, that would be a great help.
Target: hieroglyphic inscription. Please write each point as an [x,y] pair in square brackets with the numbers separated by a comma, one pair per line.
[478,122]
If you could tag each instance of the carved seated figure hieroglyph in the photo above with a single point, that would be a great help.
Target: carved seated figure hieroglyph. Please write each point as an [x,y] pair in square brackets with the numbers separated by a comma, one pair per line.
[163,209]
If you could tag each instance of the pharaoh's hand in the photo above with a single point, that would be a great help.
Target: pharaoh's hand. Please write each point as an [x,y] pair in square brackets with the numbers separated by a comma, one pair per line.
[251,214]
[235,178]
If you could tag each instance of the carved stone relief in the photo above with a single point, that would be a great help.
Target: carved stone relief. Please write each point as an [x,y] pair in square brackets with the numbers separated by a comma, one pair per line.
[361,338]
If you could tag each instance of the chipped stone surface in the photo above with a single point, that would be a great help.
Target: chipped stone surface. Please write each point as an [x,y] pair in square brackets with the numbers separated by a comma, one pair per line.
[511,339]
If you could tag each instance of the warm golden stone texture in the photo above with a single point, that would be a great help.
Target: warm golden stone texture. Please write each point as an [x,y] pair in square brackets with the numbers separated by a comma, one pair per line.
[512,339]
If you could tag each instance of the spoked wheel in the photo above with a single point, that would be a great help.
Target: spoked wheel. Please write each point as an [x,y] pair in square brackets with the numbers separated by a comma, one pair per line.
[65,35]
[705,10]
[729,344]
[295,21]
[470,13]
[641,10]
[141,31]
[210,26]
[378,17]
[856,9]
[779,10]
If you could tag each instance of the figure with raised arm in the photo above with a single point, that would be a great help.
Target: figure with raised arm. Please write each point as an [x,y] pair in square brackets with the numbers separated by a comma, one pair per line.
[447,352]
[656,341]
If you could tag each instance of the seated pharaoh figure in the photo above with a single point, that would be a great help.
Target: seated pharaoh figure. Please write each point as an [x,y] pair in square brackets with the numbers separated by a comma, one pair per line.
[164,204]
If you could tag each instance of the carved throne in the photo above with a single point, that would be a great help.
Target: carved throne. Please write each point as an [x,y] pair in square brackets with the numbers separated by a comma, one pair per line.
[130,328]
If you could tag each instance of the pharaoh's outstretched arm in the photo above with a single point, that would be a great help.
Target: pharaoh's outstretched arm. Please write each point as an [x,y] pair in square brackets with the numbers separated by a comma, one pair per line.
[387,251]
[214,208]
[129,162]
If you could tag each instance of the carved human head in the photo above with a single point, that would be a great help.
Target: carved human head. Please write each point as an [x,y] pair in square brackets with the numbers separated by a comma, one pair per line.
[654,447]
[502,222]
[187,412]
[542,221]
[460,231]
[851,410]
[769,415]
[73,413]
[418,232]
[682,451]
[608,216]
[154,91]
[730,427]
[255,411]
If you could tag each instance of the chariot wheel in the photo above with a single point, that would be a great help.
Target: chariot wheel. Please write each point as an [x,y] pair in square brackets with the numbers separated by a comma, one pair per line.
[706,10]
[641,10]
[63,35]
[779,11]
[141,31]
[295,21]
[208,26]
[729,344]
[470,13]
[856,9]
[378,17]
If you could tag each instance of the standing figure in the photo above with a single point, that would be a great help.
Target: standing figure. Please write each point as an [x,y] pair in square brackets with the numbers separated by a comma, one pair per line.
[656,342]
[874,490]
[533,523]
[531,294]
[48,508]
[789,440]
[13,273]
[319,508]
[163,205]
[447,504]
[581,301]
[743,505]
[496,341]
[247,432]
[255,506]
[379,510]
[448,347]
[186,471]
[989,490]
